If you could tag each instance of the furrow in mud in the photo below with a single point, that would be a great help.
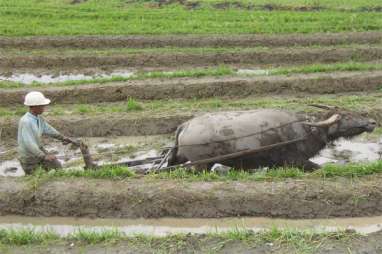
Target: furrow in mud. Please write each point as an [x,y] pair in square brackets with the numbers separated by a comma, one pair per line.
[164,198]
[120,124]
[105,126]
[189,88]
[323,39]
[275,57]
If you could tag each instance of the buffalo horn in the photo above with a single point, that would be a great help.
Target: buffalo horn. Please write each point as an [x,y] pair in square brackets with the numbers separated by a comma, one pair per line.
[331,120]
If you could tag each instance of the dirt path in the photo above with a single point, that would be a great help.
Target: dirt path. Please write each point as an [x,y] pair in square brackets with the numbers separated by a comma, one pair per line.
[189,88]
[370,244]
[165,198]
[278,56]
[323,39]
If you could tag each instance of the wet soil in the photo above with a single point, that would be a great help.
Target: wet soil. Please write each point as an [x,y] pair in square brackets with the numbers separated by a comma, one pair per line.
[370,244]
[113,125]
[149,198]
[324,39]
[103,150]
[105,125]
[64,226]
[190,88]
[274,56]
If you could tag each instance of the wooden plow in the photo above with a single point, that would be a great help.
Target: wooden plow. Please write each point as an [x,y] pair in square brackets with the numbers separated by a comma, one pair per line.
[158,162]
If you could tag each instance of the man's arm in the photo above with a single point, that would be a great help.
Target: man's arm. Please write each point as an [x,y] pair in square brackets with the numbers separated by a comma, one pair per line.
[52,132]
[48,130]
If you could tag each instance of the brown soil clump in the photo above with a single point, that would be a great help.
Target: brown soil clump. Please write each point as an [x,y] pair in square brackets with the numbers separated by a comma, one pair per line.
[323,39]
[104,126]
[168,198]
[278,56]
[119,125]
[189,88]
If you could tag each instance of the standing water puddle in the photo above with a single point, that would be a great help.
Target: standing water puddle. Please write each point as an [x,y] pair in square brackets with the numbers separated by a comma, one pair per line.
[165,226]
[29,78]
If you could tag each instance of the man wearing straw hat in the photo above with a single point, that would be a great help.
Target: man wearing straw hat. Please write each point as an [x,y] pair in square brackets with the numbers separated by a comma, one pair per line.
[31,128]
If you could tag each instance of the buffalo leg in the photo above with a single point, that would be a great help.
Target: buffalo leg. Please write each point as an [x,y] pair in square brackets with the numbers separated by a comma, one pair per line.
[204,166]
[310,166]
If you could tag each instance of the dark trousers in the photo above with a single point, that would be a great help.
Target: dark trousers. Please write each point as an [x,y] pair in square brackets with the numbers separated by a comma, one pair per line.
[32,164]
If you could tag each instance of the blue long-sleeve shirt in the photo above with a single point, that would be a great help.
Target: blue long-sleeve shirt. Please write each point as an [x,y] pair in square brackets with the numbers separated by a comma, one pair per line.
[31,128]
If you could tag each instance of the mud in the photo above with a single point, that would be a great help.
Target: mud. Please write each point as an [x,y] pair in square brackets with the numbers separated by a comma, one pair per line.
[115,125]
[268,7]
[147,198]
[190,88]
[344,151]
[64,226]
[279,56]
[323,39]
[121,149]
[224,5]
[105,150]
[104,126]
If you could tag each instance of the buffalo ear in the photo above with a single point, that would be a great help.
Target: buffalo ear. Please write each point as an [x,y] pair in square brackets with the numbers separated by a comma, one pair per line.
[325,123]
[321,106]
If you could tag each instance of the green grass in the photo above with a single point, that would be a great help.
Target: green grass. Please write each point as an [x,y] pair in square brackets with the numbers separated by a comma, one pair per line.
[116,17]
[25,237]
[94,237]
[177,106]
[302,241]
[232,175]
[317,68]
[106,172]
[350,170]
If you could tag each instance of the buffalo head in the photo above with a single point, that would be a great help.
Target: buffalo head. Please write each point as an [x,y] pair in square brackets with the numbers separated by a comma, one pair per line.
[344,123]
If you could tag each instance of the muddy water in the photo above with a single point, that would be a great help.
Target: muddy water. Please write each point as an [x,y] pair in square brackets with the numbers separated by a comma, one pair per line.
[165,226]
[123,149]
[344,151]
[253,72]
[29,78]
[103,150]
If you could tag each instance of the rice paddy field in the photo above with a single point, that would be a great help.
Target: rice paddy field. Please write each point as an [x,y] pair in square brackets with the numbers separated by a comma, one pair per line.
[124,74]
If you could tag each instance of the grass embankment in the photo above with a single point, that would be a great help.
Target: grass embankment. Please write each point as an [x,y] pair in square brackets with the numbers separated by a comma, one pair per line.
[207,72]
[116,17]
[300,241]
[351,170]
[109,52]
[136,108]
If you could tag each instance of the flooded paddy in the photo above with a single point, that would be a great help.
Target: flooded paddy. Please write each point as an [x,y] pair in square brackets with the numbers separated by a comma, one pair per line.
[64,226]
[103,150]
[30,78]
[124,149]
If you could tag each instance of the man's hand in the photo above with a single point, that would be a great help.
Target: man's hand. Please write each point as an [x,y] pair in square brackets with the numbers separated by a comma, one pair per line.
[50,157]
[66,140]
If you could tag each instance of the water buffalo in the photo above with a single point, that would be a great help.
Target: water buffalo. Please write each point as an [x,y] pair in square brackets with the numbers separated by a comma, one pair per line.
[223,133]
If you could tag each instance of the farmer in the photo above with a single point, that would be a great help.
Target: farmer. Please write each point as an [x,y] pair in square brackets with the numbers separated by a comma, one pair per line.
[31,127]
